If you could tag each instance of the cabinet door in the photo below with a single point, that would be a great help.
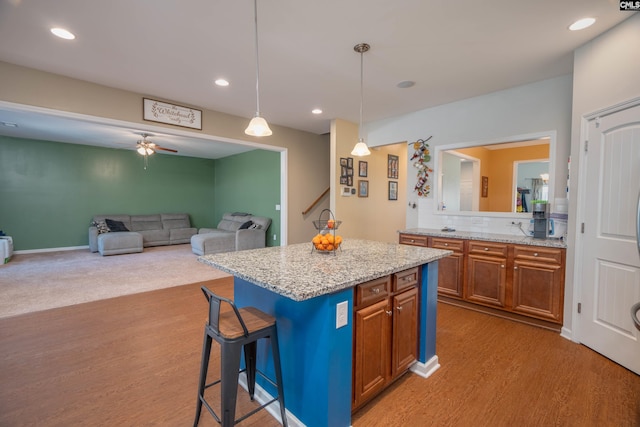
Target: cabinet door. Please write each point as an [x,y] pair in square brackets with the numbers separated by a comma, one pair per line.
[372,340]
[451,268]
[538,290]
[405,331]
[450,275]
[487,277]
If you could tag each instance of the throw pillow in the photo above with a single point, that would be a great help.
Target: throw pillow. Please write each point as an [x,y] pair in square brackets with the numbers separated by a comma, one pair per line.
[101,226]
[246,225]
[115,225]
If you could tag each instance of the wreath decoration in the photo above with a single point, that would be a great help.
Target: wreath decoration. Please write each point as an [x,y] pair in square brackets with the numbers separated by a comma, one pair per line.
[421,157]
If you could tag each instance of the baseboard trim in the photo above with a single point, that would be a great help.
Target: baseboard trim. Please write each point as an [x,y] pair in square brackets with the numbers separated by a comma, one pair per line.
[261,396]
[66,248]
[425,370]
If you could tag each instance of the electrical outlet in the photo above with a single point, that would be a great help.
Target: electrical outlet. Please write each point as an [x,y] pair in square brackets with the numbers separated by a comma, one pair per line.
[275,237]
[342,314]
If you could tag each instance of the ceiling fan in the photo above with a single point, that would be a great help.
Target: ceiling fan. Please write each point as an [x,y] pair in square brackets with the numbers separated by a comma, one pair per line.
[147,148]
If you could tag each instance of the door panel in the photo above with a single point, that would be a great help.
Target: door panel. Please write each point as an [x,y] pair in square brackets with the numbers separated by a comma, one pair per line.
[610,261]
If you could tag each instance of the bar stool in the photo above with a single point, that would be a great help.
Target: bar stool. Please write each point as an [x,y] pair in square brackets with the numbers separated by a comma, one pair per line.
[236,330]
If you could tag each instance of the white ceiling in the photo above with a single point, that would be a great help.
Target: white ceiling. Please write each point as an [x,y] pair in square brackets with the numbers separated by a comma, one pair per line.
[174,50]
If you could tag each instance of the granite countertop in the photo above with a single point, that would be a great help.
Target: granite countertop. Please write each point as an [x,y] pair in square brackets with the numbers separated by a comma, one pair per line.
[491,237]
[296,272]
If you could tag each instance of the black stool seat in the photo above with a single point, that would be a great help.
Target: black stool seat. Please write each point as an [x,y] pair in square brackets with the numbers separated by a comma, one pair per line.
[237,330]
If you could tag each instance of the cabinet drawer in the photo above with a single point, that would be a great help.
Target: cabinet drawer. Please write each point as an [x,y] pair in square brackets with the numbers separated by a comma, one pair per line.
[405,279]
[488,248]
[413,239]
[537,253]
[373,291]
[450,244]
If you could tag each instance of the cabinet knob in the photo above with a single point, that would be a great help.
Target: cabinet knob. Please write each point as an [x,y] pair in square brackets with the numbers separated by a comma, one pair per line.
[515,268]
[375,290]
[486,249]
[501,265]
[446,244]
[399,308]
[413,241]
[389,313]
[535,254]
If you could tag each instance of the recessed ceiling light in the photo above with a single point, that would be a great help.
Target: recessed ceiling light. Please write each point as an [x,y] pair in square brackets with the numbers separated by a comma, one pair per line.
[405,84]
[63,34]
[222,82]
[316,111]
[581,24]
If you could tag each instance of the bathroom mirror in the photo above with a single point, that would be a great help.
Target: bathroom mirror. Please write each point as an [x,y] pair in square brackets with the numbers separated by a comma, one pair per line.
[494,177]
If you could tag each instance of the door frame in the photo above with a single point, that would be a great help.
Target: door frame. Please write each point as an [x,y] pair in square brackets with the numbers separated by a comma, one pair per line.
[578,241]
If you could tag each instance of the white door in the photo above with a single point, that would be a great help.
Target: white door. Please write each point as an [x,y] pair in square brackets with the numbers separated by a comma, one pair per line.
[610,256]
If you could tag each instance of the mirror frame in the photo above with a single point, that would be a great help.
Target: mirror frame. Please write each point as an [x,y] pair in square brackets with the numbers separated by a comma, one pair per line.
[437,189]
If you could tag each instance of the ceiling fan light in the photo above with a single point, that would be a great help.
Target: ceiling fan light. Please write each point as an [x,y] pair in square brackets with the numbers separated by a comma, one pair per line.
[360,149]
[149,151]
[258,127]
[142,150]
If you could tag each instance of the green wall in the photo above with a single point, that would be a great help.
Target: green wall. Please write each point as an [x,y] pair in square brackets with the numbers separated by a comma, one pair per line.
[250,182]
[49,191]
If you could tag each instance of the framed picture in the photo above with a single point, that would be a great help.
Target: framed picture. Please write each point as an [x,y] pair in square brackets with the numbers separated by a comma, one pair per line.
[485,186]
[362,168]
[343,161]
[343,180]
[393,190]
[349,171]
[350,181]
[363,188]
[350,162]
[171,114]
[392,166]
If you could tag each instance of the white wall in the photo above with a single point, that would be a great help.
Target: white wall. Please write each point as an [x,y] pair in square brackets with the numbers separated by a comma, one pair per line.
[534,108]
[605,73]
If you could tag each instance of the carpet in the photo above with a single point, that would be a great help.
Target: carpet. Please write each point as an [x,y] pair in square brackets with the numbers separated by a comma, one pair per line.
[45,280]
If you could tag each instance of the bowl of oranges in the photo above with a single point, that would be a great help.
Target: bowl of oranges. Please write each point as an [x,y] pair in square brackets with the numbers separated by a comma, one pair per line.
[326,241]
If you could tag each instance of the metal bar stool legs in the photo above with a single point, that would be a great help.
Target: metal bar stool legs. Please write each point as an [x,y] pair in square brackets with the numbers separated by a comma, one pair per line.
[237,332]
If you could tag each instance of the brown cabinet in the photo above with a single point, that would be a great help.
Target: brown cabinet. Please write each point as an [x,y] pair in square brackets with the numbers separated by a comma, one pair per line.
[523,280]
[487,273]
[385,333]
[538,282]
[451,268]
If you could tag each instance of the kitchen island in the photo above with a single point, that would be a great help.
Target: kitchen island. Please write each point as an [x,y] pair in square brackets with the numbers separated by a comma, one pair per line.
[302,289]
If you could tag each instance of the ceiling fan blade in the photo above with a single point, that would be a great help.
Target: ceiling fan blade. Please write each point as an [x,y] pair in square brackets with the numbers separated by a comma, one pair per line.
[165,149]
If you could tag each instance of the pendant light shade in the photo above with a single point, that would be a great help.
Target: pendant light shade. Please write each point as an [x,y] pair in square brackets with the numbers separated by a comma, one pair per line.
[361,148]
[258,126]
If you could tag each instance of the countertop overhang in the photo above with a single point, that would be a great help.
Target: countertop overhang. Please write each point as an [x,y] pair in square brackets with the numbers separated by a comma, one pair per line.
[298,273]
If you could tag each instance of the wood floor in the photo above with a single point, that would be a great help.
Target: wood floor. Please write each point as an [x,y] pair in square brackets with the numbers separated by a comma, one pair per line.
[134,360]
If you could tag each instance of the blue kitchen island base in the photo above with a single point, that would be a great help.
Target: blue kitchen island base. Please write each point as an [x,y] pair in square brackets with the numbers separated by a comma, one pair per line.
[316,357]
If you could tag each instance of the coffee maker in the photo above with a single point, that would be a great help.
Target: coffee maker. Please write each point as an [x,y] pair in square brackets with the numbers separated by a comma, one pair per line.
[540,220]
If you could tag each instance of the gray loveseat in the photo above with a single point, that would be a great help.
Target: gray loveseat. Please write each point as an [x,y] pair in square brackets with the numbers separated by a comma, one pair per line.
[235,232]
[106,237]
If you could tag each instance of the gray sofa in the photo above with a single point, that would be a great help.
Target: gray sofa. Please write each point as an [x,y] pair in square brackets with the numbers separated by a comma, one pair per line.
[141,231]
[235,232]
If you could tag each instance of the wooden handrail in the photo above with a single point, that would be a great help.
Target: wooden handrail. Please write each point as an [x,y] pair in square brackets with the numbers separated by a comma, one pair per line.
[315,202]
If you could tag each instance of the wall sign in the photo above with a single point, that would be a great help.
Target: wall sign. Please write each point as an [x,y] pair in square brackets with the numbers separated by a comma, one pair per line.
[162,112]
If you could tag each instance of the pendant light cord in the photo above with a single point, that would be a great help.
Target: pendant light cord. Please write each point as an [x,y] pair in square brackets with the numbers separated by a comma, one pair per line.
[361,93]
[255,14]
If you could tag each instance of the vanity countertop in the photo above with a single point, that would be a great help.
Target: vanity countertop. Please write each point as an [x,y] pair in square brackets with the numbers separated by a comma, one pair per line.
[491,237]
[297,272]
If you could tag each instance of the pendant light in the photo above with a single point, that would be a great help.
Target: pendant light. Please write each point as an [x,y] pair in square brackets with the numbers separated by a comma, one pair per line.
[258,126]
[361,148]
